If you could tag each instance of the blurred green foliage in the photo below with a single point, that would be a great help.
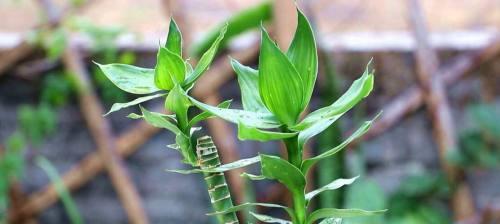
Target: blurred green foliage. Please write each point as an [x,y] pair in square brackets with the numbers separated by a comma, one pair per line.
[419,200]
[36,122]
[479,146]
[11,167]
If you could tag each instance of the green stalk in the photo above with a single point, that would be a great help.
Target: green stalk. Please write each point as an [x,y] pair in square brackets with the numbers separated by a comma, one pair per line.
[293,151]
[299,197]
[218,189]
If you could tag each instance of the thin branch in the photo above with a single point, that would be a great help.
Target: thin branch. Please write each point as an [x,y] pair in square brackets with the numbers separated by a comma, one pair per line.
[438,108]
[100,130]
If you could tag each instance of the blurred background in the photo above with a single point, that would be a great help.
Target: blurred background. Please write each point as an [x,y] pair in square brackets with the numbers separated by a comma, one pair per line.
[432,157]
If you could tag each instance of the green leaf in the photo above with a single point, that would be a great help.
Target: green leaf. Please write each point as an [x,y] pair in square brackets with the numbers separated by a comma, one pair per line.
[251,119]
[159,121]
[336,184]
[170,69]
[249,204]
[331,221]
[174,38]
[222,168]
[269,219]
[206,115]
[303,55]
[274,167]
[248,79]
[306,164]
[359,89]
[62,191]
[119,106]
[252,133]
[280,86]
[206,59]
[130,78]
[340,213]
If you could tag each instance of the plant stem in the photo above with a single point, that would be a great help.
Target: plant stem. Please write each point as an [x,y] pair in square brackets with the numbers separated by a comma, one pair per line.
[293,151]
[299,197]
[218,189]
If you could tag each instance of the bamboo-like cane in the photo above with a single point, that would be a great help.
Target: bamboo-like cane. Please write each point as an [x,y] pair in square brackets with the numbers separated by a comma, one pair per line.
[218,190]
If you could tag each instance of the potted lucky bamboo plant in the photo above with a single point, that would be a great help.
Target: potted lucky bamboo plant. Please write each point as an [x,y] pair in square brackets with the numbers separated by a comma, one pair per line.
[273,97]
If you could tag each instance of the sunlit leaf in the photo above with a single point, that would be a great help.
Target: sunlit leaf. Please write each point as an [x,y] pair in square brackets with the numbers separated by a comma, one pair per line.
[359,89]
[280,86]
[303,55]
[130,78]
[170,69]
[336,184]
[222,168]
[119,106]
[206,59]
[174,38]
[269,219]
[252,133]
[340,213]
[248,79]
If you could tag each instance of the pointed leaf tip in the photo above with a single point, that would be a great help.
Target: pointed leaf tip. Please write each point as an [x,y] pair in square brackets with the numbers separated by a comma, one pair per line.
[174,38]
